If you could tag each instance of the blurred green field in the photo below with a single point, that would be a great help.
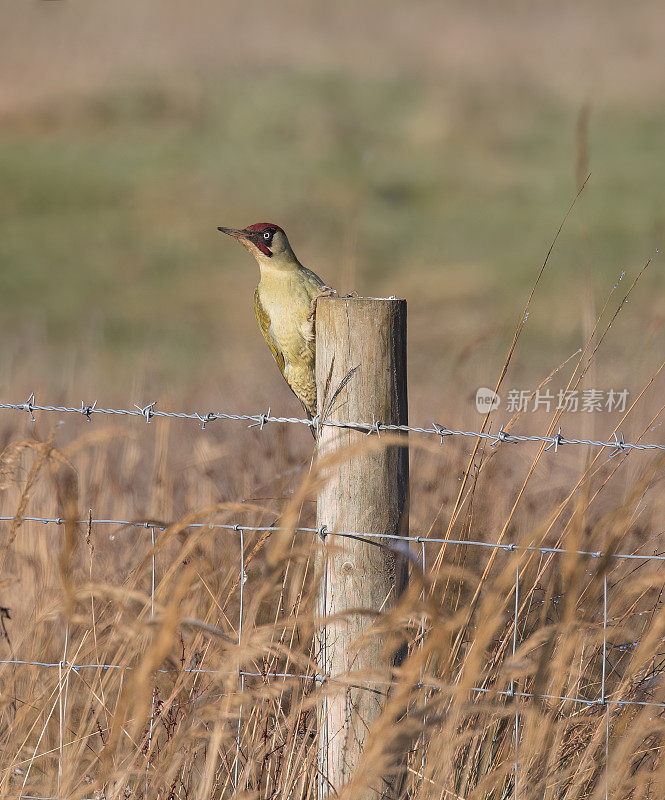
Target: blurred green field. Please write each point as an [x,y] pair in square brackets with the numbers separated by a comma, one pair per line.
[109,207]
[443,187]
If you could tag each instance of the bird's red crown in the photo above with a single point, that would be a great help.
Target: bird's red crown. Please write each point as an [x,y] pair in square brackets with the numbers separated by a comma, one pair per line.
[261,226]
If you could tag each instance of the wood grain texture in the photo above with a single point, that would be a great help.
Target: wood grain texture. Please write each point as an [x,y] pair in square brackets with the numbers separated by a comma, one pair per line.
[367,493]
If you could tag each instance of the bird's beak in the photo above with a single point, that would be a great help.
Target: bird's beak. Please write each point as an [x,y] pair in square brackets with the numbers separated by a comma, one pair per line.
[237,233]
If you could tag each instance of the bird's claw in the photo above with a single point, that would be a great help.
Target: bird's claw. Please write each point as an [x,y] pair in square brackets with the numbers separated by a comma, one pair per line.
[325,292]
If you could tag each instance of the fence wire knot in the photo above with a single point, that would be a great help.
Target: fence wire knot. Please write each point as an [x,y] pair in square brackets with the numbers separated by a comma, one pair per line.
[86,411]
[322,532]
[556,441]
[147,411]
[28,406]
[261,421]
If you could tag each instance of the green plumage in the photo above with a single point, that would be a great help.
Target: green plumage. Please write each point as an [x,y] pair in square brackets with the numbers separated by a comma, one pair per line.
[282,304]
[264,325]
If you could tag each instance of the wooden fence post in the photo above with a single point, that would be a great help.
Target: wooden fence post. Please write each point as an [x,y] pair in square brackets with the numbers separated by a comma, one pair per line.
[366,339]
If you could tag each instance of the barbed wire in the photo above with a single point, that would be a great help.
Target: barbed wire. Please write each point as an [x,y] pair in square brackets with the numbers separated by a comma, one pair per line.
[617,444]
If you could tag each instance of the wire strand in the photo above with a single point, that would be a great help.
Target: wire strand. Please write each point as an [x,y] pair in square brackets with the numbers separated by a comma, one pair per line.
[149,412]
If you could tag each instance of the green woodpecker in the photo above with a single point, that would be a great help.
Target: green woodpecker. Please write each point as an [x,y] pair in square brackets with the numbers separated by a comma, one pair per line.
[285,305]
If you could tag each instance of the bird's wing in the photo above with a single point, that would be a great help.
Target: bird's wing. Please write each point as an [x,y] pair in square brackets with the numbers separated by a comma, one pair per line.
[263,319]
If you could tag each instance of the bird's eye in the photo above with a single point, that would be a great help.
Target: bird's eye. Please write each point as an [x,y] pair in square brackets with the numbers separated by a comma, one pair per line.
[267,235]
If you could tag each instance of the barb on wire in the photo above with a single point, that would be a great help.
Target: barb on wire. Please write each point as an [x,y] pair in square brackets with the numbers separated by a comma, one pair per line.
[28,406]
[263,418]
[503,436]
[441,431]
[87,410]
[375,427]
[209,417]
[556,441]
[620,446]
[149,412]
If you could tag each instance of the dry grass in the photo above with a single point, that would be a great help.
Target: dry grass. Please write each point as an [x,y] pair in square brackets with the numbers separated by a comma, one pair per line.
[88,732]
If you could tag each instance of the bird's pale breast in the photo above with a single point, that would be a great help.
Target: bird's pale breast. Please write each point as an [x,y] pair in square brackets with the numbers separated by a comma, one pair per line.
[286,298]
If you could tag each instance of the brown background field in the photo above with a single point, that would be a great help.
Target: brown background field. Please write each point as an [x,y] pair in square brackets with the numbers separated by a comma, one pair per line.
[428,150]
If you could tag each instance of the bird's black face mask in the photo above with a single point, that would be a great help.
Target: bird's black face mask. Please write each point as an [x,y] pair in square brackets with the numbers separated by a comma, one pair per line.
[260,235]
